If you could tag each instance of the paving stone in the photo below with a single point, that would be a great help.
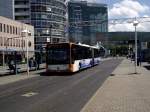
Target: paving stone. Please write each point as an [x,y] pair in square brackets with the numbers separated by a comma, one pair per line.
[123,92]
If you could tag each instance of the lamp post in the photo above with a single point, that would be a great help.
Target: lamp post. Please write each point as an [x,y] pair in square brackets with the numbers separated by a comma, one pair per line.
[135,23]
[26,32]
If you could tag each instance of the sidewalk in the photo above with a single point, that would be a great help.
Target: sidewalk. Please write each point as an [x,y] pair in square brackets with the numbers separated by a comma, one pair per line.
[123,91]
[22,76]
[4,70]
[105,59]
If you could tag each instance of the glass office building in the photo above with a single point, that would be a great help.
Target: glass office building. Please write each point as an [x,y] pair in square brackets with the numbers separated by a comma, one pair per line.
[7,8]
[48,18]
[22,11]
[85,20]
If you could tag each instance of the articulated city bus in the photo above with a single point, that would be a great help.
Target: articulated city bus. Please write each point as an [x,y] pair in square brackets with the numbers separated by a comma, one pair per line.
[70,57]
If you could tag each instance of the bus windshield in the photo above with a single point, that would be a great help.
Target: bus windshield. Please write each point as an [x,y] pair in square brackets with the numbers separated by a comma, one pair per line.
[58,56]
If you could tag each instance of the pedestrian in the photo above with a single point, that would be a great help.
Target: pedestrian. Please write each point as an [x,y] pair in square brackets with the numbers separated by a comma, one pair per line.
[11,65]
[38,60]
[30,63]
[35,64]
[140,60]
[38,64]
[132,57]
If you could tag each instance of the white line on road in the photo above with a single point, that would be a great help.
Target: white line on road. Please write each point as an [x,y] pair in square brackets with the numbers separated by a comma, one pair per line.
[29,94]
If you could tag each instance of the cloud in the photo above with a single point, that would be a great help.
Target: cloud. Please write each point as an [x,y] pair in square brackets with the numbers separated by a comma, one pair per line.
[128,9]
[121,27]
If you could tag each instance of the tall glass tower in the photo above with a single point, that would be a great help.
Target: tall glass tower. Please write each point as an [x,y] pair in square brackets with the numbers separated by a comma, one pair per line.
[85,20]
[48,17]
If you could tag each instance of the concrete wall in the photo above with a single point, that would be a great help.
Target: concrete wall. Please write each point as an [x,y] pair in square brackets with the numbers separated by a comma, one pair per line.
[15,41]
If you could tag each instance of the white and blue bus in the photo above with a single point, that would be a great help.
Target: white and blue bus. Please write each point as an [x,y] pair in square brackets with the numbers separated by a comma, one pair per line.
[70,57]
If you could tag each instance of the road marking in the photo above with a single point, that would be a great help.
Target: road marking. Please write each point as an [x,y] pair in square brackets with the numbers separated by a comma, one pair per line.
[29,94]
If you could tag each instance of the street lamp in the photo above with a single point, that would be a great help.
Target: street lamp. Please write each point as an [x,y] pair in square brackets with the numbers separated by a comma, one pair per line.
[135,23]
[27,32]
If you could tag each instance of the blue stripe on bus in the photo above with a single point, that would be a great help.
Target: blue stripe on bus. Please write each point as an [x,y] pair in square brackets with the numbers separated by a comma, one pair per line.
[85,65]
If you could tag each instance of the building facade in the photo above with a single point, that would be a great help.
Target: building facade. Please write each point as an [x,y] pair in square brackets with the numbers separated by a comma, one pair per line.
[47,16]
[85,19]
[122,37]
[114,39]
[12,39]
[22,11]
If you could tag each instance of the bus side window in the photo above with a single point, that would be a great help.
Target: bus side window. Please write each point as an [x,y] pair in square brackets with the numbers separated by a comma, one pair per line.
[96,53]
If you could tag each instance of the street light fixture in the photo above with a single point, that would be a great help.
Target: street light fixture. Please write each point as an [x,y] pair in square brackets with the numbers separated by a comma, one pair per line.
[27,33]
[135,23]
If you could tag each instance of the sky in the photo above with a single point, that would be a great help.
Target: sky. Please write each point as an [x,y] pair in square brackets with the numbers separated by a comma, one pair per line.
[127,9]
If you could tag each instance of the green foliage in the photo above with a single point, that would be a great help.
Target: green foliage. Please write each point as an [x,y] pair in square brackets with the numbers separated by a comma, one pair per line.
[120,50]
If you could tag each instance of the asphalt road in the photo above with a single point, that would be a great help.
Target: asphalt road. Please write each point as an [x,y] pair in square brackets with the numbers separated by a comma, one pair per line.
[67,93]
